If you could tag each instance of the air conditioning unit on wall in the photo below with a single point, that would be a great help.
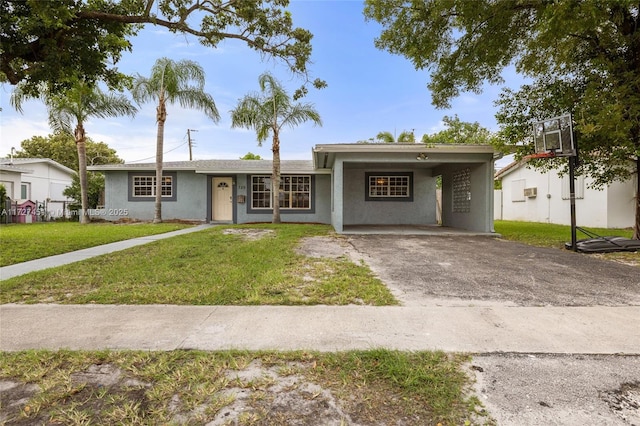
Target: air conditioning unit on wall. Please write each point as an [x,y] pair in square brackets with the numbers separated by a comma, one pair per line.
[531,192]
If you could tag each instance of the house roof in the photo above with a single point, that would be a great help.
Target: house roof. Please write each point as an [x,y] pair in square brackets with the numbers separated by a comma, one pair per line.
[511,167]
[324,154]
[215,166]
[323,157]
[12,168]
[23,161]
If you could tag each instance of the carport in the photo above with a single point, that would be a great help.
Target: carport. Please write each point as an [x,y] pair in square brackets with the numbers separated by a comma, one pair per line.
[377,184]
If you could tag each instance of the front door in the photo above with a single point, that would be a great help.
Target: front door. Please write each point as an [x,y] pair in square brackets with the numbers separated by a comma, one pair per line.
[222,199]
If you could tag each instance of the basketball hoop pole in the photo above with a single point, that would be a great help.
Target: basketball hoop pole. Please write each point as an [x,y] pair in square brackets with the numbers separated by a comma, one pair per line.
[572,195]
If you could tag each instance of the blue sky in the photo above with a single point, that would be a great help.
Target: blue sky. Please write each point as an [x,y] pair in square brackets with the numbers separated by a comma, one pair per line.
[368,91]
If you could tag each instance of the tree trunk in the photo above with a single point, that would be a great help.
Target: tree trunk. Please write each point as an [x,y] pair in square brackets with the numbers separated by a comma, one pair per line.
[275,178]
[636,228]
[81,146]
[161,115]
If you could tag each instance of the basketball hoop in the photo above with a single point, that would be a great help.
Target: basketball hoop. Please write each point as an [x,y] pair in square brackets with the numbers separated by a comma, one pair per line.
[548,154]
[553,137]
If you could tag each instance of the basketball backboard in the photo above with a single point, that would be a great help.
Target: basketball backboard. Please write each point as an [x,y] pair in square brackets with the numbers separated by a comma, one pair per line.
[554,136]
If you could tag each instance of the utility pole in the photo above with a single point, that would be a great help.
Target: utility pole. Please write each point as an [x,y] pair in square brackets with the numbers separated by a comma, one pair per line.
[190,143]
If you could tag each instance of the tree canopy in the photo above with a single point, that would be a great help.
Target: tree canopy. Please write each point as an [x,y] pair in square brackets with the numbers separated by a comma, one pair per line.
[61,147]
[581,57]
[457,131]
[251,156]
[63,41]
[388,137]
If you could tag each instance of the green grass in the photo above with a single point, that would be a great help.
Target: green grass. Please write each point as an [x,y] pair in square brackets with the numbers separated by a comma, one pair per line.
[209,267]
[23,242]
[548,234]
[192,387]
[551,235]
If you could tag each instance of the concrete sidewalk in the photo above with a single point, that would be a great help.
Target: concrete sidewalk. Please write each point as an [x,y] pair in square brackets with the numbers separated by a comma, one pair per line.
[11,271]
[486,329]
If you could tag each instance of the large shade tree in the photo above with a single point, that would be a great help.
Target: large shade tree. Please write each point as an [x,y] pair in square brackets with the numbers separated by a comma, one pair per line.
[172,82]
[581,57]
[59,42]
[68,112]
[267,113]
[61,147]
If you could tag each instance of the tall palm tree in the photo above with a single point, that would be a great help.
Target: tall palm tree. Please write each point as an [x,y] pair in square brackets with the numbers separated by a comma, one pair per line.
[267,113]
[170,81]
[69,111]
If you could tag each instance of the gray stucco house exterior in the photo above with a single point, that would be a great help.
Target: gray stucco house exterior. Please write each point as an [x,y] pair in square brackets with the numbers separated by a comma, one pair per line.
[344,185]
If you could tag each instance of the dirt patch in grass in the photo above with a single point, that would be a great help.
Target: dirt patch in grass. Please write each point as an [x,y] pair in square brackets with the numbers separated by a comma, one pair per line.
[249,233]
[223,389]
[333,247]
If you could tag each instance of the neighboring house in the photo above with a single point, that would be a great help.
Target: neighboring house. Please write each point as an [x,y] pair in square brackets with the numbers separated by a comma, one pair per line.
[532,196]
[40,180]
[344,185]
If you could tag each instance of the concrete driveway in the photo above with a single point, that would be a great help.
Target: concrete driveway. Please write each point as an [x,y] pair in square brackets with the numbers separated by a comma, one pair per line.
[475,270]
[562,388]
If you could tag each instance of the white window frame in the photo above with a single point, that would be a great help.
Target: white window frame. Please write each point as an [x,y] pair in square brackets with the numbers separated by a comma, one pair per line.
[148,183]
[25,189]
[389,186]
[261,197]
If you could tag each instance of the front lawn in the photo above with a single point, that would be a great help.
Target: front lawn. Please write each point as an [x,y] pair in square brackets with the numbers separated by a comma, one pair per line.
[253,265]
[23,242]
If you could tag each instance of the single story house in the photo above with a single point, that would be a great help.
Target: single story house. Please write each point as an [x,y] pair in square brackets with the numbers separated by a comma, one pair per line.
[40,180]
[344,185]
[534,196]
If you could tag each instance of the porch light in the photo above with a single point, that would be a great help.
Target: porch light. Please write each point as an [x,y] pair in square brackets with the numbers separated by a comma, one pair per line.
[422,156]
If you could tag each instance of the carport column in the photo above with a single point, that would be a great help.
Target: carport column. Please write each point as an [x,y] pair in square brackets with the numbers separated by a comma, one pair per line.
[491,172]
[337,192]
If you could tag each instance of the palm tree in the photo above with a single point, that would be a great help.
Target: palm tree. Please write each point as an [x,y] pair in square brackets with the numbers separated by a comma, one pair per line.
[267,113]
[68,111]
[387,137]
[171,81]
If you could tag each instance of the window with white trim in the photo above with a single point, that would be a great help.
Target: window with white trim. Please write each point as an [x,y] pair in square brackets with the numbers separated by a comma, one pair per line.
[295,192]
[144,186]
[388,186]
[25,190]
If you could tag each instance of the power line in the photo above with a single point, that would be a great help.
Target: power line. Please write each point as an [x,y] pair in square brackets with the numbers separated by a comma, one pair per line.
[165,152]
